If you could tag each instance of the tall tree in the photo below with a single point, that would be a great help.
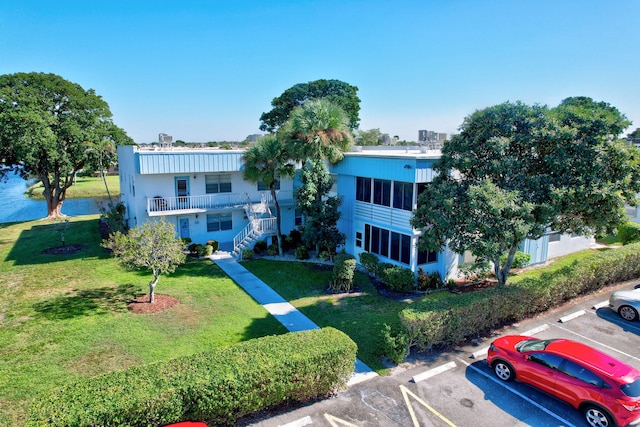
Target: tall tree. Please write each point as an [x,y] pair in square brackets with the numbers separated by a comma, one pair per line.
[321,211]
[46,126]
[152,246]
[267,161]
[318,129]
[518,171]
[369,137]
[336,91]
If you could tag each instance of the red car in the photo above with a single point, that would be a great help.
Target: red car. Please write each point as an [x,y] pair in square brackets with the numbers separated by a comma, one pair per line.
[604,389]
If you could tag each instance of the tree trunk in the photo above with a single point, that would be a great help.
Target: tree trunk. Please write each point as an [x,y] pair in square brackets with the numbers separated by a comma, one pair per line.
[106,187]
[152,288]
[272,187]
[54,208]
[502,273]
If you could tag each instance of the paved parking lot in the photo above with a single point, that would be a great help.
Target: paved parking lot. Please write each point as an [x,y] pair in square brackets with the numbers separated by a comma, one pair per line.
[459,389]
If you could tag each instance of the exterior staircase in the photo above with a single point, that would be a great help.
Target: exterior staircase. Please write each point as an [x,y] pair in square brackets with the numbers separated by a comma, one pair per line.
[261,223]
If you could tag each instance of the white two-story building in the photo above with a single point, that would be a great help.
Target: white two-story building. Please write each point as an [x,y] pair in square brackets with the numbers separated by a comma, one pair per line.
[203,193]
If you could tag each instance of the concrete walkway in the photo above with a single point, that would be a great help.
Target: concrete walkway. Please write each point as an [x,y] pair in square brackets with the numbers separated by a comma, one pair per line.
[287,314]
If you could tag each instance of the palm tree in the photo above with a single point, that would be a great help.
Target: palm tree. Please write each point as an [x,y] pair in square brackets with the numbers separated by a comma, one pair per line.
[318,129]
[267,161]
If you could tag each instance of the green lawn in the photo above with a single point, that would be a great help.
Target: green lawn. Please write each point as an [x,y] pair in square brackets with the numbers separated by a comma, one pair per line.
[360,315]
[84,187]
[65,316]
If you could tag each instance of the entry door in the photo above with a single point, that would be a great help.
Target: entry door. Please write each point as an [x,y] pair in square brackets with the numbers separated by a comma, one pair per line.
[182,191]
[184,227]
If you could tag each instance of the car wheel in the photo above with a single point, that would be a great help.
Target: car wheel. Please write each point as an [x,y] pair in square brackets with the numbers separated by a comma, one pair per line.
[503,370]
[628,313]
[597,417]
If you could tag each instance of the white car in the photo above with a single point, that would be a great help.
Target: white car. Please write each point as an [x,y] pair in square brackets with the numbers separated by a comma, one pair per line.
[626,303]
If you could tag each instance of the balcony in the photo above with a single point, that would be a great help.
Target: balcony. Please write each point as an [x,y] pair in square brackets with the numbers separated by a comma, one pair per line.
[160,205]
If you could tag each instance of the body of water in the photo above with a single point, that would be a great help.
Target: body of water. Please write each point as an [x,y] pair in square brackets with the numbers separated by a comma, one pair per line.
[15,206]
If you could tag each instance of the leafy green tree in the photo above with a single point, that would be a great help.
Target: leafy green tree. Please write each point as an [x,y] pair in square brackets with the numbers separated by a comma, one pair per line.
[151,246]
[518,171]
[368,137]
[336,91]
[321,212]
[46,126]
[634,134]
[267,161]
[317,129]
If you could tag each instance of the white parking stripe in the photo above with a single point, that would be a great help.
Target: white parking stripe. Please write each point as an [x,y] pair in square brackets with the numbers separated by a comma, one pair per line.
[433,372]
[597,342]
[299,423]
[572,316]
[602,304]
[522,396]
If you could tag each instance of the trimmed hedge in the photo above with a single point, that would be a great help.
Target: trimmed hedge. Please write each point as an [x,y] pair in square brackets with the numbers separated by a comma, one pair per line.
[344,268]
[217,387]
[452,318]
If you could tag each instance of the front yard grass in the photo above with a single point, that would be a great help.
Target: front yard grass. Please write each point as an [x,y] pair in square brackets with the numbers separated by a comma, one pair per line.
[84,187]
[361,315]
[64,316]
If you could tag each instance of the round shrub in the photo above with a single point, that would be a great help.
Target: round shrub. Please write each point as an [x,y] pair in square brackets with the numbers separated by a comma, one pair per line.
[272,250]
[399,279]
[248,254]
[370,262]
[260,247]
[629,233]
[302,252]
[215,245]
[208,250]
[520,259]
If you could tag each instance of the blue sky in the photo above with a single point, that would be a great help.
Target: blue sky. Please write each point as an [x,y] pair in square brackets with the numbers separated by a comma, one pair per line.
[206,70]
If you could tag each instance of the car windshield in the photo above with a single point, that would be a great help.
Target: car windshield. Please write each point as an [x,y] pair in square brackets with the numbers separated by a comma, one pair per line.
[532,345]
[632,389]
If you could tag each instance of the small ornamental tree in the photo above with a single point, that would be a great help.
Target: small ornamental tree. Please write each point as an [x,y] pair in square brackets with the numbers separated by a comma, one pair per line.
[152,246]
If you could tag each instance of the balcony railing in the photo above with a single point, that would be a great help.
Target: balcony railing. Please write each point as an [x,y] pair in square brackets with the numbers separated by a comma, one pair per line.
[213,201]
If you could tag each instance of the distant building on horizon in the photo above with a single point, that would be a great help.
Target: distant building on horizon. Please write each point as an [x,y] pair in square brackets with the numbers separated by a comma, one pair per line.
[426,136]
[254,138]
[165,140]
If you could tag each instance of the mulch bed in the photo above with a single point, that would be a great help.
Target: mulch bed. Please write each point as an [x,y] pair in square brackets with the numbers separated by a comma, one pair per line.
[63,250]
[141,305]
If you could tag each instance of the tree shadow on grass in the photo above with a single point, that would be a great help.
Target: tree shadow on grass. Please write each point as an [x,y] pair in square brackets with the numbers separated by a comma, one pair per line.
[88,302]
[29,246]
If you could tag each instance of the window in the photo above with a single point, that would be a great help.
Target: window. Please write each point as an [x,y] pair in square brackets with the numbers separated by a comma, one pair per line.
[219,222]
[554,237]
[217,184]
[297,217]
[386,243]
[264,187]
[403,195]
[427,257]
[583,374]
[363,189]
[382,192]
[549,360]
[358,239]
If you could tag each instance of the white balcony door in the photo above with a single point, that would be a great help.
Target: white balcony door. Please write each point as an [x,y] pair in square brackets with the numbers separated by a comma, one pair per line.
[182,191]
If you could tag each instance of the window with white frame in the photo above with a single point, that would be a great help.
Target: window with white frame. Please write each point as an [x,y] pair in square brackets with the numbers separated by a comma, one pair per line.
[217,183]
[219,221]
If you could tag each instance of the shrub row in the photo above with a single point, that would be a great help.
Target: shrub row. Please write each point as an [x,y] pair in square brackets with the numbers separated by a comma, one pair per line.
[197,249]
[451,318]
[218,387]
[629,233]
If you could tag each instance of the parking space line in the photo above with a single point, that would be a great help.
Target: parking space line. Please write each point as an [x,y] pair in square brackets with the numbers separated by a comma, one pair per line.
[572,316]
[597,342]
[599,305]
[433,372]
[299,423]
[517,393]
[406,393]
[335,421]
